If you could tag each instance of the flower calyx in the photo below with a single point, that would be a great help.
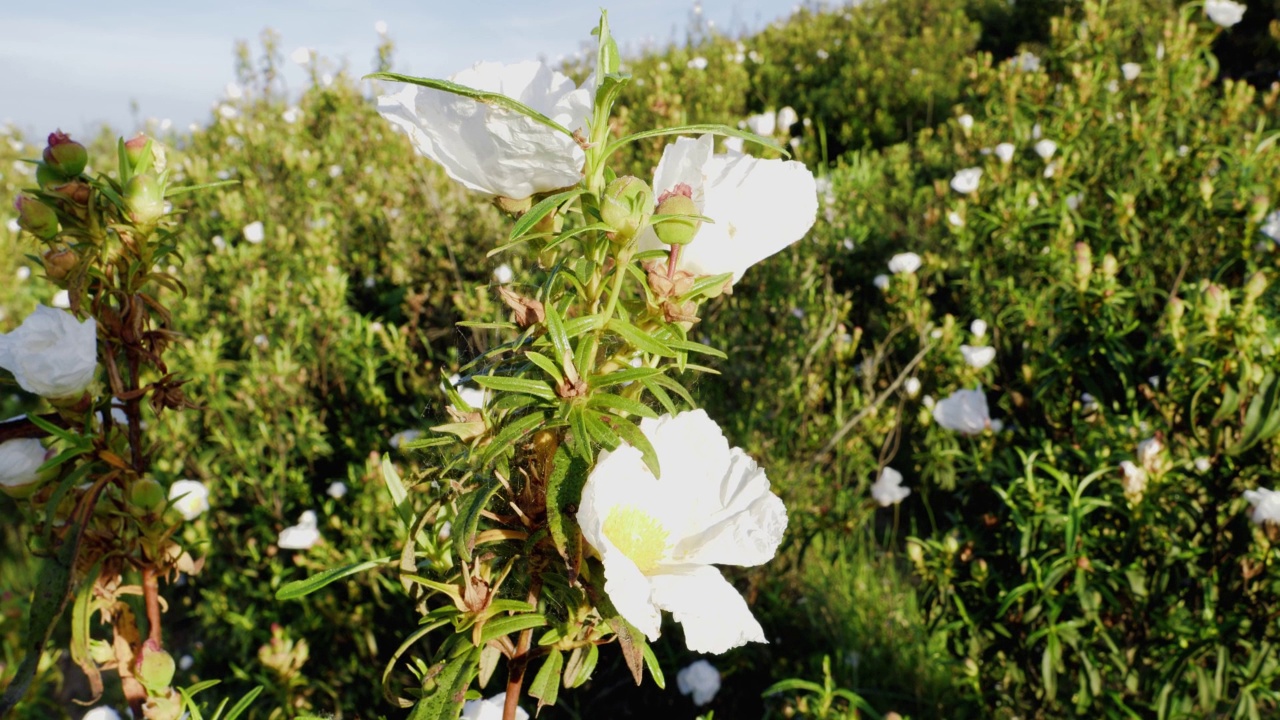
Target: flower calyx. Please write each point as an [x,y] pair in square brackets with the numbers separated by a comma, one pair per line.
[677,230]
[65,156]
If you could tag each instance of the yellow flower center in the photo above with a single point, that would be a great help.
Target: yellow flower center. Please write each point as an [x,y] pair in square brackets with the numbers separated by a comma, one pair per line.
[638,535]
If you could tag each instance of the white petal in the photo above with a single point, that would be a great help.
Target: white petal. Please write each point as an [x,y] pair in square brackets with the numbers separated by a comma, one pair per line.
[965,412]
[714,616]
[978,357]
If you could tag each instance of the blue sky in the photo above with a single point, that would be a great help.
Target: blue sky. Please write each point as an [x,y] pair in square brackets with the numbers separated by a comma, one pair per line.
[75,64]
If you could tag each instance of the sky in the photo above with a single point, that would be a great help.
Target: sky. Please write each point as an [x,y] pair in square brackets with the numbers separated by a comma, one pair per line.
[77,64]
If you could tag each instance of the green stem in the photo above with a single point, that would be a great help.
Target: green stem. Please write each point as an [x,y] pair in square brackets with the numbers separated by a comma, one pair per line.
[615,291]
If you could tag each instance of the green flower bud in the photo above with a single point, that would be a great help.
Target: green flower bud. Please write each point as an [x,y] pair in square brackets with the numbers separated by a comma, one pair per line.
[46,177]
[166,706]
[1084,265]
[627,206]
[65,156]
[679,231]
[513,206]
[1110,267]
[1255,287]
[156,668]
[134,148]
[147,495]
[35,217]
[145,199]
[1216,304]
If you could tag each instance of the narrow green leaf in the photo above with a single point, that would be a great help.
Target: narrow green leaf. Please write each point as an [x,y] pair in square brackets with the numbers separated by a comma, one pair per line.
[509,435]
[489,98]
[564,492]
[1262,419]
[299,588]
[600,430]
[243,703]
[536,388]
[498,627]
[697,347]
[546,684]
[557,335]
[655,669]
[467,523]
[548,365]
[176,191]
[582,662]
[618,402]
[639,339]
[445,686]
[636,439]
[697,130]
[396,488]
[623,376]
[544,208]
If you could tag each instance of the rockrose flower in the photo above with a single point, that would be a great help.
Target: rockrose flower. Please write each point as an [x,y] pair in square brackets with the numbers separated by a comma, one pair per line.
[907,262]
[887,489]
[1005,151]
[189,497]
[1224,12]
[492,149]
[19,461]
[966,181]
[700,679]
[965,412]
[978,357]
[1266,505]
[1271,226]
[301,536]
[52,354]
[659,537]
[758,207]
[489,709]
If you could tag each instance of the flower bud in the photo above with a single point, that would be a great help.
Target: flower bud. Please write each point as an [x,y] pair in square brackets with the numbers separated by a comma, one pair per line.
[163,706]
[512,206]
[147,495]
[1255,287]
[144,197]
[156,668]
[65,156]
[58,264]
[35,217]
[1216,304]
[677,231]
[134,148]
[75,192]
[46,177]
[627,206]
[1110,267]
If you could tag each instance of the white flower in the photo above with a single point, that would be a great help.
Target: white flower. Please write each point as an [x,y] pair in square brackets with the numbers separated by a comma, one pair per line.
[335,171]
[23,272]
[907,262]
[1004,151]
[1131,71]
[955,219]
[762,124]
[1134,481]
[1148,453]
[489,709]
[102,712]
[185,662]
[445,532]
[786,118]
[1088,403]
[380,27]
[19,460]
[190,498]
[253,232]
[326,79]
[403,437]
[1271,226]
[261,341]
[475,397]
[699,679]
[887,489]
[1202,464]
[503,274]
[978,328]
[61,300]
[1050,170]
[1266,505]
[13,225]
[491,149]
[965,412]
[1073,201]
[1027,62]
[301,56]
[337,490]
[1224,12]
[228,111]
[758,206]
[52,354]
[1046,148]
[966,122]
[301,536]
[697,63]
[1035,131]
[659,538]
[966,181]
[912,386]
[234,91]
[291,116]
[978,357]
[881,281]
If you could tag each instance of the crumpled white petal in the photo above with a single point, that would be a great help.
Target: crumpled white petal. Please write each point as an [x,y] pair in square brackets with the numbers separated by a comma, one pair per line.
[1266,505]
[758,206]
[978,357]
[887,489]
[52,354]
[19,460]
[190,498]
[965,412]
[701,680]
[491,149]
[301,536]
[489,709]
[657,537]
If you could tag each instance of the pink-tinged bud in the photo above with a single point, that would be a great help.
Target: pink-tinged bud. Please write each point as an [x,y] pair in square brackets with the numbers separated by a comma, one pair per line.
[144,198]
[58,264]
[626,206]
[134,150]
[35,217]
[677,231]
[64,155]
[156,668]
